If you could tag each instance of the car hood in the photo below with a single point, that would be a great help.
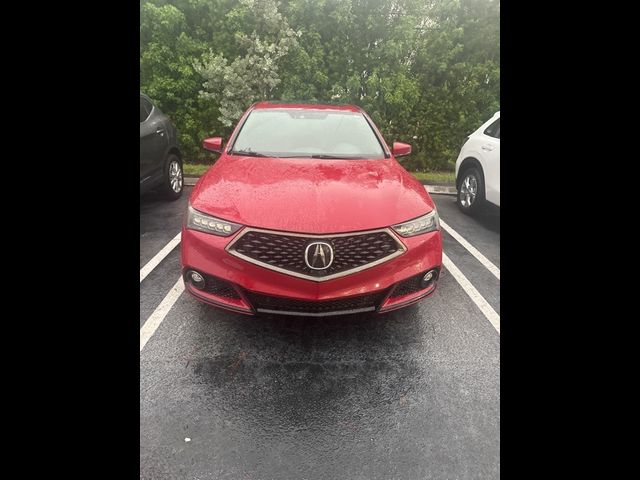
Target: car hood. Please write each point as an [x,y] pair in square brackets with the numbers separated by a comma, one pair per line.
[310,195]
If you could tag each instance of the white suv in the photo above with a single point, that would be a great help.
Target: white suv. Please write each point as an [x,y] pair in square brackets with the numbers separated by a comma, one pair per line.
[478,167]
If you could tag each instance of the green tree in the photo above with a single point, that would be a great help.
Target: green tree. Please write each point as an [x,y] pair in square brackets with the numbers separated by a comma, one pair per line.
[428,72]
[457,65]
[167,74]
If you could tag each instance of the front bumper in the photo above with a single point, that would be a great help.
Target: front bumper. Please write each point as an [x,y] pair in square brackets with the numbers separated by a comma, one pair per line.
[237,285]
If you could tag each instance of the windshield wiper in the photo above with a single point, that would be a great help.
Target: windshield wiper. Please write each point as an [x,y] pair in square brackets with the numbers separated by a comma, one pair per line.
[337,157]
[249,154]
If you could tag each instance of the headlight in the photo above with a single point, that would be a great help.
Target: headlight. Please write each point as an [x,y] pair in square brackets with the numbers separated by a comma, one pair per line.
[417,226]
[206,223]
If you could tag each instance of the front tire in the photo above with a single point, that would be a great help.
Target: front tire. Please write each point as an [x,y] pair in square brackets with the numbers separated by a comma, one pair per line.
[173,182]
[471,191]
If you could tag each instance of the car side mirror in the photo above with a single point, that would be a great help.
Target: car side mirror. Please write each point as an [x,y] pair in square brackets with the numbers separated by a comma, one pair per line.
[401,149]
[213,144]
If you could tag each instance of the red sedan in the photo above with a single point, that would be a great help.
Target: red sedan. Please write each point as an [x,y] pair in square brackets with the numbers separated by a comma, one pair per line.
[307,212]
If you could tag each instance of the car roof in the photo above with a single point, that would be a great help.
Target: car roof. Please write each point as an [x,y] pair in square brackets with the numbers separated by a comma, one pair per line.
[306,106]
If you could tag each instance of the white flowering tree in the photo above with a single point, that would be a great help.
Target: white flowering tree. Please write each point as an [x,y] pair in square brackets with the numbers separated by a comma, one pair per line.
[253,74]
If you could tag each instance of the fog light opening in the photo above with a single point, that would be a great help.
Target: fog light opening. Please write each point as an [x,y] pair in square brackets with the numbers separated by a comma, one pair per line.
[429,278]
[196,279]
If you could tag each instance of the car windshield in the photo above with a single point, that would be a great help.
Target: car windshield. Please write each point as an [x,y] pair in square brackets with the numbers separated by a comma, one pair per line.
[284,132]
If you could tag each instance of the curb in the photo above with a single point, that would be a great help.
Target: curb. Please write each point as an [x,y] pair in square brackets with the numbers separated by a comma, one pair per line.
[439,189]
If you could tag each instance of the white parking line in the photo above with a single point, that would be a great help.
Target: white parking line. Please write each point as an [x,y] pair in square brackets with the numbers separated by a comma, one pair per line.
[472,250]
[155,319]
[153,263]
[478,299]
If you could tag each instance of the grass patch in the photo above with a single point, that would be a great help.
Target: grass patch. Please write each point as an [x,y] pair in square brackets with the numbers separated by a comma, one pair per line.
[434,178]
[195,169]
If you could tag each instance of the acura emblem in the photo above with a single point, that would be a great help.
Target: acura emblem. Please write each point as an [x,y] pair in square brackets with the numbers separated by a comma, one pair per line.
[318,255]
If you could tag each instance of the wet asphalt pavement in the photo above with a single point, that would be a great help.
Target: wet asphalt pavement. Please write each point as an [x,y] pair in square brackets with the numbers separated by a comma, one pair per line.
[413,394]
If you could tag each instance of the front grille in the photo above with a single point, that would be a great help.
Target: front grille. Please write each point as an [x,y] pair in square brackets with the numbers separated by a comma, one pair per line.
[287,252]
[410,285]
[322,307]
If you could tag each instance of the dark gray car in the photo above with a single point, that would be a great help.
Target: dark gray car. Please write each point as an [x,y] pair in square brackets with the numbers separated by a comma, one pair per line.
[160,159]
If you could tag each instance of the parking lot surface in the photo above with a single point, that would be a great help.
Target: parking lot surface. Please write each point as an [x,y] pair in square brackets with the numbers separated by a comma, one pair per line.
[413,394]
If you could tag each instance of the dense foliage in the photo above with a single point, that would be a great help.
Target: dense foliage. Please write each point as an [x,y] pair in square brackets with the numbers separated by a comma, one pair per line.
[427,71]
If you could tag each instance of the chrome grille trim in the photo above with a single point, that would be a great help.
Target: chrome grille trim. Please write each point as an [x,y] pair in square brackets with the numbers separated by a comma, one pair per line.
[401,249]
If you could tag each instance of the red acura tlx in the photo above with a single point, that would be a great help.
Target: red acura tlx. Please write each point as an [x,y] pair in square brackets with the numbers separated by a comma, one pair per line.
[307,212]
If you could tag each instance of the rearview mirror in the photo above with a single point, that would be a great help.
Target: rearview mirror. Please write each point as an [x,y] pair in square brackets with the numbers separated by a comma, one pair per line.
[401,149]
[213,144]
